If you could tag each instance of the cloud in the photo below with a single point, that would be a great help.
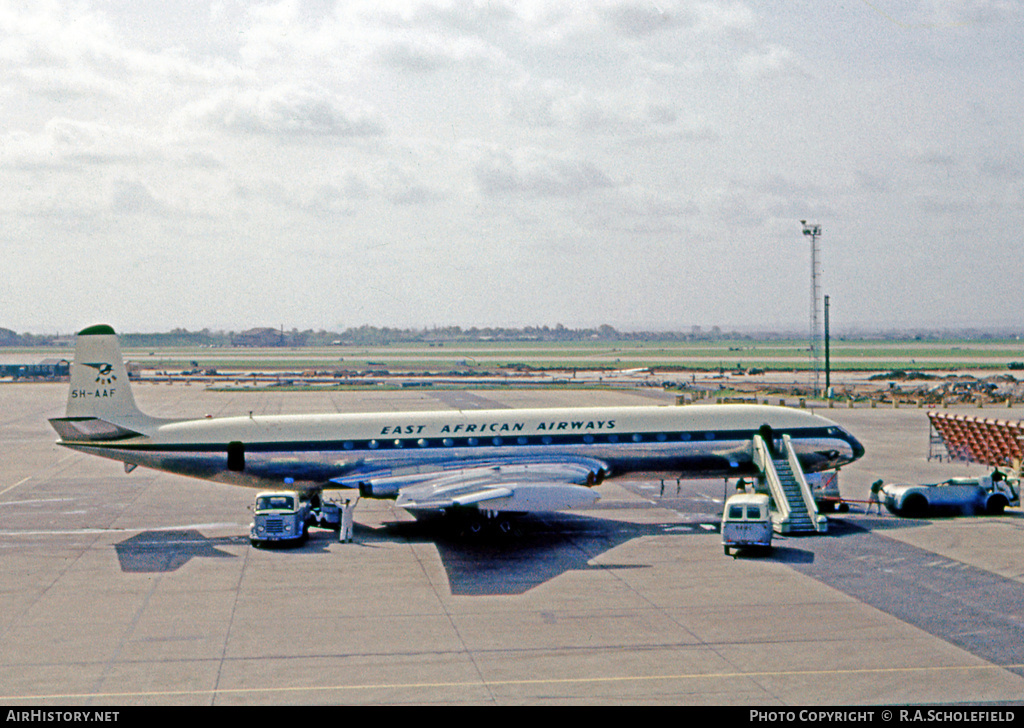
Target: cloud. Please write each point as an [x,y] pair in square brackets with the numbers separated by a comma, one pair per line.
[552,103]
[287,112]
[427,52]
[130,197]
[963,12]
[64,143]
[642,18]
[501,129]
[535,173]
[1007,167]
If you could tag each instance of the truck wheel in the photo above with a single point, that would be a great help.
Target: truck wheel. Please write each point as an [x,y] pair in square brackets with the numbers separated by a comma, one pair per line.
[726,549]
[254,543]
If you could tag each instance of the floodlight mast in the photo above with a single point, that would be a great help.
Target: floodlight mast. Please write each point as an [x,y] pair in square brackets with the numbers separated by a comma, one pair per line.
[813,231]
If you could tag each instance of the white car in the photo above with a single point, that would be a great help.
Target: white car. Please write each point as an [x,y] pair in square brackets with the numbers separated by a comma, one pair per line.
[956,496]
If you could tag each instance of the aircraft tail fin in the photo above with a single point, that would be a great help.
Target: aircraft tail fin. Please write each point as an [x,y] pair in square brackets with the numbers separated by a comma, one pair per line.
[99,379]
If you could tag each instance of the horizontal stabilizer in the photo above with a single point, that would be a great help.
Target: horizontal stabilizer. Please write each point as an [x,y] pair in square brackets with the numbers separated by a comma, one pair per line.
[90,429]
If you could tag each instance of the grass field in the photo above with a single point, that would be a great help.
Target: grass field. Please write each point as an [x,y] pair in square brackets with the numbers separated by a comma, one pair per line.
[846,355]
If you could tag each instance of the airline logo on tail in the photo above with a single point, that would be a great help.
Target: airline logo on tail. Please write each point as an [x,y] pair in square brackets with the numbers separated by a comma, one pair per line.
[104,372]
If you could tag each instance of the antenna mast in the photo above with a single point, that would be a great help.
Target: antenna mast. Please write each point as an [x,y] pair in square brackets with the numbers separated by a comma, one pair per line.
[813,231]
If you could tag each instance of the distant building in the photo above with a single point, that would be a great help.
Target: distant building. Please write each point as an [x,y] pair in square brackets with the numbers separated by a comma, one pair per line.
[258,338]
[46,369]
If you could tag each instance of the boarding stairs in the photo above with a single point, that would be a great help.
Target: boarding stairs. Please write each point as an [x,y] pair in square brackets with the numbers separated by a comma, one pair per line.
[794,509]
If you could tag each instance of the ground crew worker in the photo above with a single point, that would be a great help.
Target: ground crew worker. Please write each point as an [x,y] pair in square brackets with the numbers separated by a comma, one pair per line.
[345,534]
[876,488]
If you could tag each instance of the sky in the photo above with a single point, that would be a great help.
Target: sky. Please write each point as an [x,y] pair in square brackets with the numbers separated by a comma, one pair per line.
[640,163]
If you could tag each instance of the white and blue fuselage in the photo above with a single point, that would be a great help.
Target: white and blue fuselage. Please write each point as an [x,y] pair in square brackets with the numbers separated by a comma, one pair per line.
[694,440]
[508,457]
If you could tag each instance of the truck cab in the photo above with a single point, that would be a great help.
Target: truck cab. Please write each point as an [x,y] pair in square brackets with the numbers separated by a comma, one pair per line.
[746,522]
[279,516]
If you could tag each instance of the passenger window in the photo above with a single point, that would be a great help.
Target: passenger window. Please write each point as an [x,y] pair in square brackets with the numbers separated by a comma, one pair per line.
[753,513]
[736,513]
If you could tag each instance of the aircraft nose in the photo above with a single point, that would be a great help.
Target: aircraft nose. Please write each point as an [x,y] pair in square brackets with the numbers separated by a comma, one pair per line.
[858,449]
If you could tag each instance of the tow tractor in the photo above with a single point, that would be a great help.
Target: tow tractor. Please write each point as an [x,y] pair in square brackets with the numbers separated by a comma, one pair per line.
[825,489]
[284,516]
[956,496]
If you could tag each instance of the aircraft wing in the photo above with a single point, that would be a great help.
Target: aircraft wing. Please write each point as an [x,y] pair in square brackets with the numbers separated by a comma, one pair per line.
[511,486]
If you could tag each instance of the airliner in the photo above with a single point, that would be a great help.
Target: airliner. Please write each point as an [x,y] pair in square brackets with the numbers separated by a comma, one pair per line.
[488,462]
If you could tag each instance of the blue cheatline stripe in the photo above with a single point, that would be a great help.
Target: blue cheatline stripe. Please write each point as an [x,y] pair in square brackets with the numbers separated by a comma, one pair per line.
[425,443]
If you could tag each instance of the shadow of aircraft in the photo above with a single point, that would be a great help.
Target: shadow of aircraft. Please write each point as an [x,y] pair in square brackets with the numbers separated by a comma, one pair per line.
[543,547]
[162,551]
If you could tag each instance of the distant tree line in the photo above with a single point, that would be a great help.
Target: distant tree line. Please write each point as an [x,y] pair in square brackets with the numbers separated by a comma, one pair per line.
[383,335]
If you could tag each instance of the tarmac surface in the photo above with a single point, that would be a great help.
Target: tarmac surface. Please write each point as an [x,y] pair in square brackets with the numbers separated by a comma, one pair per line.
[142,588]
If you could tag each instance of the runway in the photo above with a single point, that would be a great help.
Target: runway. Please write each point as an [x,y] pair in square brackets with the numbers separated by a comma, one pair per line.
[141,588]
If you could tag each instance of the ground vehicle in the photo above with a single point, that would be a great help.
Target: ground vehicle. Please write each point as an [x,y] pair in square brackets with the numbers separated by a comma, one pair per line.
[279,516]
[825,488]
[956,496]
[746,522]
